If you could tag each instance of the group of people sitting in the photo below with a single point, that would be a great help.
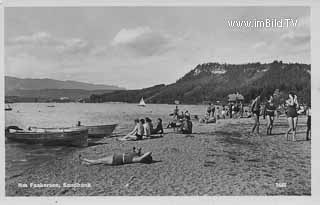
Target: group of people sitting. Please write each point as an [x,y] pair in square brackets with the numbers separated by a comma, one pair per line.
[181,122]
[144,129]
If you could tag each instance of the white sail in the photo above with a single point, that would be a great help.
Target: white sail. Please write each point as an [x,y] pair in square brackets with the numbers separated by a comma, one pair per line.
[142,103]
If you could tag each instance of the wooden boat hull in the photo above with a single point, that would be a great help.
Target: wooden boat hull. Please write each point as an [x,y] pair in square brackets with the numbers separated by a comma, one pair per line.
[71,137]
[100,131]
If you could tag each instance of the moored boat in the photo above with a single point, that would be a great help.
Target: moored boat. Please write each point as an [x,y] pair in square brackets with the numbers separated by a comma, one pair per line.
[8,107]
[75,136]
[99,131]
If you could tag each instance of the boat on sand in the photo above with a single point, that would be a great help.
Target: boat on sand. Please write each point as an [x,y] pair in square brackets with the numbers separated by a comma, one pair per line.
[94,131]
[73,136]
[99,131]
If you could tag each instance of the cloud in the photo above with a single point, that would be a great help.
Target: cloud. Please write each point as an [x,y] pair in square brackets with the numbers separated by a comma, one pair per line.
[258,45]
[39,38]
[127,36]
[48,41]
[74,45]
[143,41]
[295,38]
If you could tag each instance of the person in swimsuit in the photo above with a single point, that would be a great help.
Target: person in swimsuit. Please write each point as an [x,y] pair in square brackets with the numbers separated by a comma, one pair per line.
[176,112]
[120,159]
[269,110]
[209,109]
[186,113]
[308,112]
[136,133]
[255,109]
[186,127]
[159,128]
[147,126]
[292,115]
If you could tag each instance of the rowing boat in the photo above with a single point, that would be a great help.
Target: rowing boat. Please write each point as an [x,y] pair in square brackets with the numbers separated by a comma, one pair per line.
[99,131]
[94,131]
[75,136]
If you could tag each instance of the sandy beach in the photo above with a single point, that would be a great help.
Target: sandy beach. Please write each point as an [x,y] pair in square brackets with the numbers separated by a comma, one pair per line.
[218,159]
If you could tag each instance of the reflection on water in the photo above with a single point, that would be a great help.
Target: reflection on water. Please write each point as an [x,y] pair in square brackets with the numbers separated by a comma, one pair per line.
[20,156]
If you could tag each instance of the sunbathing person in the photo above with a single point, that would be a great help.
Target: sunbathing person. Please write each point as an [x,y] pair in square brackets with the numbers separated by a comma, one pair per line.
[159,128]
[147,126]
[136,133]
[120,159]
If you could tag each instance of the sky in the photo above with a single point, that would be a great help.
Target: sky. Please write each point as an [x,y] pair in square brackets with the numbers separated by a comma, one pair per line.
[138,47]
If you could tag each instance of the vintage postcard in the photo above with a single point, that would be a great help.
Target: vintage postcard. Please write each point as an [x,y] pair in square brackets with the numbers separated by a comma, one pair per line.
[166,100]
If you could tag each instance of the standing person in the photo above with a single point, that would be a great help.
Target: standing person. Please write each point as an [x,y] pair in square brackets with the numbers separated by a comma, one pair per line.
[270,109]
[209,108]
[187,113]
[176,112]
[230,110]
[308,112]
[213,110]
[255,109]
[292,115]
[241,109]
[223,112]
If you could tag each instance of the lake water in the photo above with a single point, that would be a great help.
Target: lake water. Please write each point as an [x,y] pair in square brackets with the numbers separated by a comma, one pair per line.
[20,156]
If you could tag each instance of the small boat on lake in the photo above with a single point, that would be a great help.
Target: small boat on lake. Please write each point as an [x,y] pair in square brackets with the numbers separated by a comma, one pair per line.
[74,136]
[142,103]
[8,108]
[51,106]
[99,131]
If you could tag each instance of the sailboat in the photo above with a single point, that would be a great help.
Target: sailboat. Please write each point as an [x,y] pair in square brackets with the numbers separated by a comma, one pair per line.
[142,103]
[8,107]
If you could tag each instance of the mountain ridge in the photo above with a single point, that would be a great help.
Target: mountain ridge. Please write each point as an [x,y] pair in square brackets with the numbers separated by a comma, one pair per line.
[15,83]
[214,81]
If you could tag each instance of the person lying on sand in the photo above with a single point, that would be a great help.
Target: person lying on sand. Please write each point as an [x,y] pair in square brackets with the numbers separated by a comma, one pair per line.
[136,133]
[120,159]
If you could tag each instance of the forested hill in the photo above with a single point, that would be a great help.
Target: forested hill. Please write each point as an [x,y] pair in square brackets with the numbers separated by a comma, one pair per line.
[214,81]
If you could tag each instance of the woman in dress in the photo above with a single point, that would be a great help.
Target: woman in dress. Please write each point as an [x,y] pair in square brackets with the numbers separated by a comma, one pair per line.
[292,115]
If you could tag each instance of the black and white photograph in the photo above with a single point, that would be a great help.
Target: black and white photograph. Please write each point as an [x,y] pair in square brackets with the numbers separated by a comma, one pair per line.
[157,101]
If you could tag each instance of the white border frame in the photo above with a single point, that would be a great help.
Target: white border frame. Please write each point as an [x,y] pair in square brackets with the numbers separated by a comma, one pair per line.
[315,88]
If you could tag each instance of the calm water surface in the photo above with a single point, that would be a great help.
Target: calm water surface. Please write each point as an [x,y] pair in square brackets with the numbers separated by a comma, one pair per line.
[20,156]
